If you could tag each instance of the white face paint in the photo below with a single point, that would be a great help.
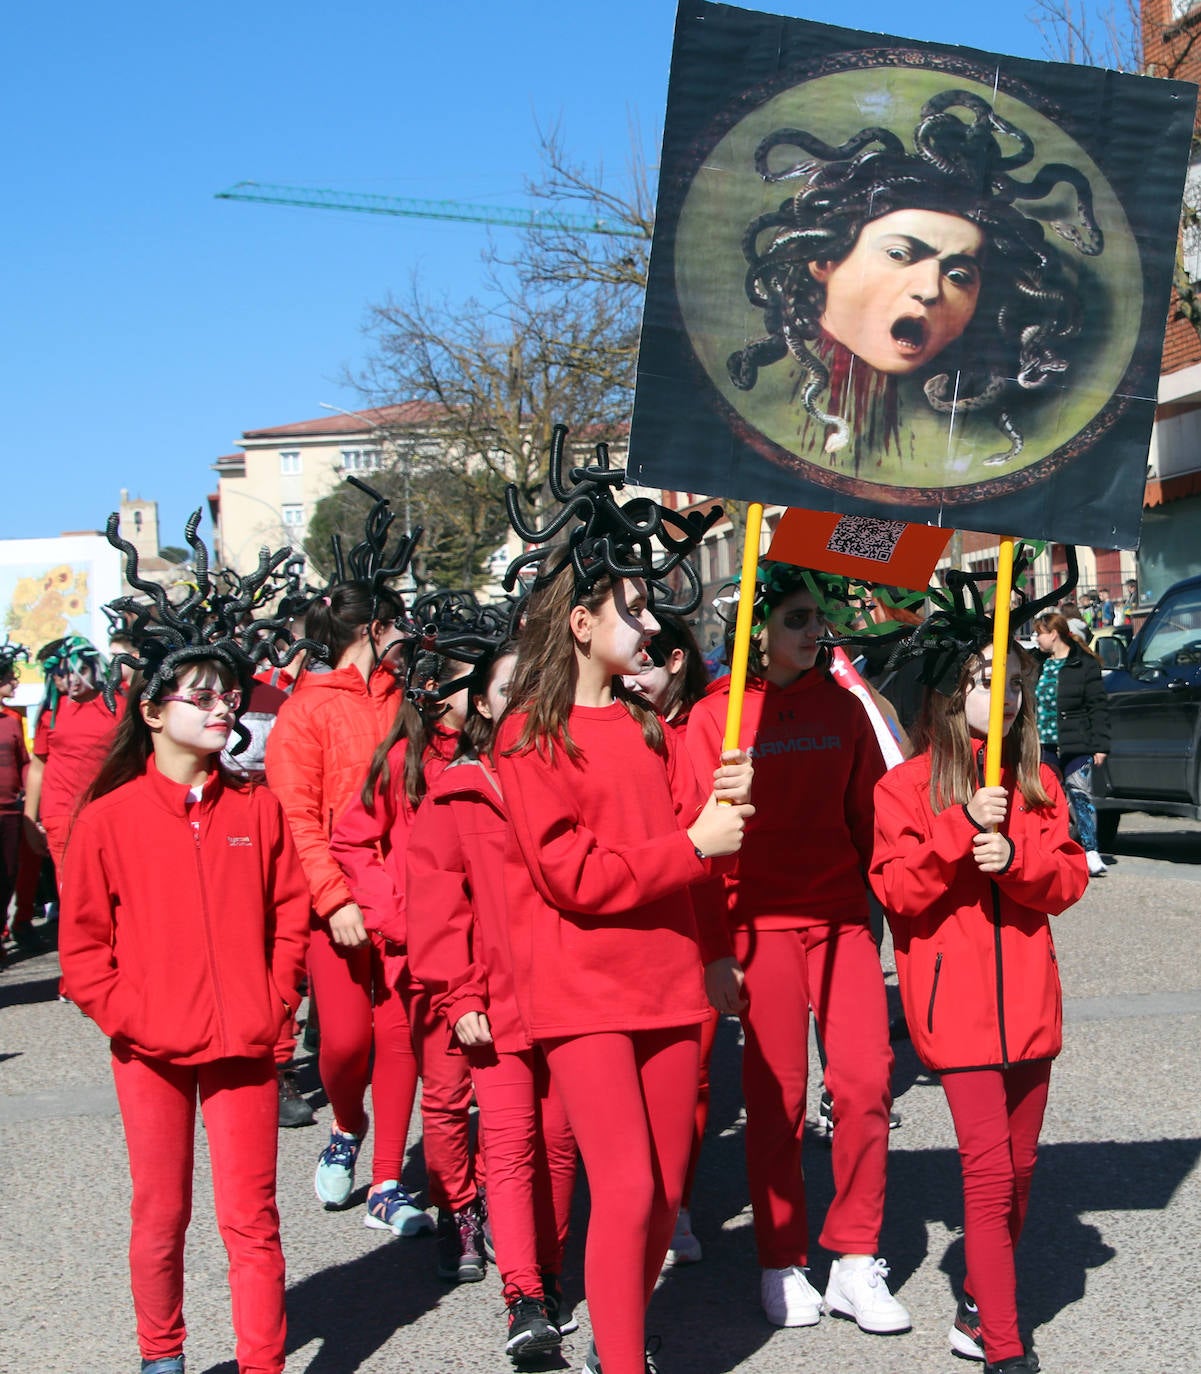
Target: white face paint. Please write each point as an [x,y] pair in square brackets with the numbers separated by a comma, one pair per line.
[976,701]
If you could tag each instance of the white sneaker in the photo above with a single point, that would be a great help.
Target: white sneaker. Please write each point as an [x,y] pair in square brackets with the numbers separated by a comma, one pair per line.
[1097,867]
[788,1298]
[859,1291]
[684,1247]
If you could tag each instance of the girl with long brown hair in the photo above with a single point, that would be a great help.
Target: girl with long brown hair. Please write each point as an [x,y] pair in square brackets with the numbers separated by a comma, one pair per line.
[967,875]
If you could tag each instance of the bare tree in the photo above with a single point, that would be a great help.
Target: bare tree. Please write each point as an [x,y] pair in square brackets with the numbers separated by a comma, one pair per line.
[552,337]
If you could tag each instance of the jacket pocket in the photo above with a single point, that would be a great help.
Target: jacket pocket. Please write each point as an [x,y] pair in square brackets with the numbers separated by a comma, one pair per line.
[933,992]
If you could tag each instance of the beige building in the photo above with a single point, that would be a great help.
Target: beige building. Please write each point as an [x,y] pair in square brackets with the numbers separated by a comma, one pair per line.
[266,494]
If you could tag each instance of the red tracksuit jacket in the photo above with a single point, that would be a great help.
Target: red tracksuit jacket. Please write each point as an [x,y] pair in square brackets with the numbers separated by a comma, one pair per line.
[458,915]
[598,875]
[975,958]
[184,942]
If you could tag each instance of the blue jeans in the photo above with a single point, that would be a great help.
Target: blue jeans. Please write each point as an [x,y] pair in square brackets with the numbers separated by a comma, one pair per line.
[1078,780]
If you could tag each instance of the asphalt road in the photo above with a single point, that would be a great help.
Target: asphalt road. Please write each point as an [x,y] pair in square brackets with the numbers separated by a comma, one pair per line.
[1109,1263]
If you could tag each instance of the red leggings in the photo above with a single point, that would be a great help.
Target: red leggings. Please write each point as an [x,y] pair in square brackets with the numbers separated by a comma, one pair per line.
[359,1013]
[998,1114]
[630,1098]
[455,1176]
[835,969]
[240,1104]
[29,871]
[531,1165]
[701,1116]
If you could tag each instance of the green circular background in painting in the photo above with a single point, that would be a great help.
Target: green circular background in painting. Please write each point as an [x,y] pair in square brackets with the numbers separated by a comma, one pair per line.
[938,461]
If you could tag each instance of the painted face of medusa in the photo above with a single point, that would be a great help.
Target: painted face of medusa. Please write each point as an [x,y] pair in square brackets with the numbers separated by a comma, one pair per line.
[906,290]
[897,255]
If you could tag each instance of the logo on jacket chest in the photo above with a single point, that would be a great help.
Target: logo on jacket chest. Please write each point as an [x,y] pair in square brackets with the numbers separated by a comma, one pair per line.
[238,841]
[795,744]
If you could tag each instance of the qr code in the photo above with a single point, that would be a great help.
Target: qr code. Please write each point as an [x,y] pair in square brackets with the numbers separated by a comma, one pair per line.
[863,536]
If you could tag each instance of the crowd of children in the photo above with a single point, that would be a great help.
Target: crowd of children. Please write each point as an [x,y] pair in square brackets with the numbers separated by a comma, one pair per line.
[508,858]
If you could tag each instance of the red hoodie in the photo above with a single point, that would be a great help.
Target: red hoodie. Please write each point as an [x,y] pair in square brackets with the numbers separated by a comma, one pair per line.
[597,872]
[370,844]
[807,848]
[317,756]
[975,959]
[184,941]
[458,915]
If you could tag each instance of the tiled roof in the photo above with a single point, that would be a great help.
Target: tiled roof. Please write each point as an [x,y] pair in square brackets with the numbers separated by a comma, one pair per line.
[380,417]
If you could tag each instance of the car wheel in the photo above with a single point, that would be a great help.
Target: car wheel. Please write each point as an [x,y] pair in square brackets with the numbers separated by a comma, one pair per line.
[1107,828]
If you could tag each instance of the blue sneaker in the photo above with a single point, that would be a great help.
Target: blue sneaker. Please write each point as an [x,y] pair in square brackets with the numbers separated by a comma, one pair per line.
[172,1364]
[334,1180]
[391,1208]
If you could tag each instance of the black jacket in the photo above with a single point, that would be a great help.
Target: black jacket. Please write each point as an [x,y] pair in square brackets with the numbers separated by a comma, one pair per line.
[1083,706]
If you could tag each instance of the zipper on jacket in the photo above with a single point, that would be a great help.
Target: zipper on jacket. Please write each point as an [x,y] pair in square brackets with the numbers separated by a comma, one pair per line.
[996,920]
[208,936]
[933,993]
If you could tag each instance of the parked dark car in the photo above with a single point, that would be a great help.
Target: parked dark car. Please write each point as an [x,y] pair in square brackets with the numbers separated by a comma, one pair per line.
[1154,691]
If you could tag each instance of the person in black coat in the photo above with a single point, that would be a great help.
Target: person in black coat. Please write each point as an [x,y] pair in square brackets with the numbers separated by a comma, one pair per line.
[1073,720]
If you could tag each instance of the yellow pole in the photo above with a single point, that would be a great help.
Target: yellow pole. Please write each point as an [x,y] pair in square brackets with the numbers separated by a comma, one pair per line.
[744,623]
[1000,666]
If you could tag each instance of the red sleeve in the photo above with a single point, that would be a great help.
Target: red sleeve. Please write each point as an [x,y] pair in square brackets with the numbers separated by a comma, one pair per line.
[41,735]
[913,865]
[571,867]
[358,844]
[1048,873]
[287,902]
[704,736]
[867,769]
[87,934]
[441,919]
[295,766]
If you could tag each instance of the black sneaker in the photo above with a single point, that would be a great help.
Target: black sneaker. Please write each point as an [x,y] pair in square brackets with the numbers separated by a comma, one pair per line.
[293,1109]
[964,1334]
[460,1245]
[1016,1364]
[530,1329]
[560,1313]
[592,1363]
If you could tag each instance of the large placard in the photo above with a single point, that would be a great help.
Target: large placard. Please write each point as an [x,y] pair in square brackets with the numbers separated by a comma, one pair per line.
[900,279]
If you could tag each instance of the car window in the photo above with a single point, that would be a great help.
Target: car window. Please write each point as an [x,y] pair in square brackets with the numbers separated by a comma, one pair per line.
[1172,637]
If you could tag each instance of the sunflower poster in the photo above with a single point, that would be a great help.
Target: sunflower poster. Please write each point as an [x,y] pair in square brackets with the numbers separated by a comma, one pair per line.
[907,280]
[54,587]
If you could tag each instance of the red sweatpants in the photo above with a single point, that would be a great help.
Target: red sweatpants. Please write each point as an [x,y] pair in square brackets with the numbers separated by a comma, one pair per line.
[455,1177]
[29,870]
[701,1116]
[240,1104]
[359,1013]
[630,1098]
[835,969]
[998,1114]
[530,1153]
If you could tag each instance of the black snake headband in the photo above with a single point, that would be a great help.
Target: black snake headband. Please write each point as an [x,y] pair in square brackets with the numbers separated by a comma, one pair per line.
[455,626]
[612,540]
[9,653]
[214,621]
[371,561]
[960,626]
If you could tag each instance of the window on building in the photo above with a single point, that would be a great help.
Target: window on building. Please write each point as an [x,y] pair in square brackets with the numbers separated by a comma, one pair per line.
[289,462]
[293,515]
[360,459]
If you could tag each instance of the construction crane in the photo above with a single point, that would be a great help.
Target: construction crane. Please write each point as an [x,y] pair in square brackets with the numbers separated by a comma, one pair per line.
[310,198]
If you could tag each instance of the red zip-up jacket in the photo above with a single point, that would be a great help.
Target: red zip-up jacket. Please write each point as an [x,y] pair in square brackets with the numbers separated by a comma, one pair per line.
[975,958]
[184,941]
[458,915]
[316,758]
[369,845]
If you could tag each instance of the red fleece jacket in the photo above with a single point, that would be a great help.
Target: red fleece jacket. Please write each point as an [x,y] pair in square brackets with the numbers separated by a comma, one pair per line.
[317,757]
[598,872]
[808,846]
[975,959]
[184,942]
[370,845]
[458,915]
[73,749]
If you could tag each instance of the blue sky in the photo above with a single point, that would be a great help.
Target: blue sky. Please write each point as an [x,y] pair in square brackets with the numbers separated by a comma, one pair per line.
[149,324]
